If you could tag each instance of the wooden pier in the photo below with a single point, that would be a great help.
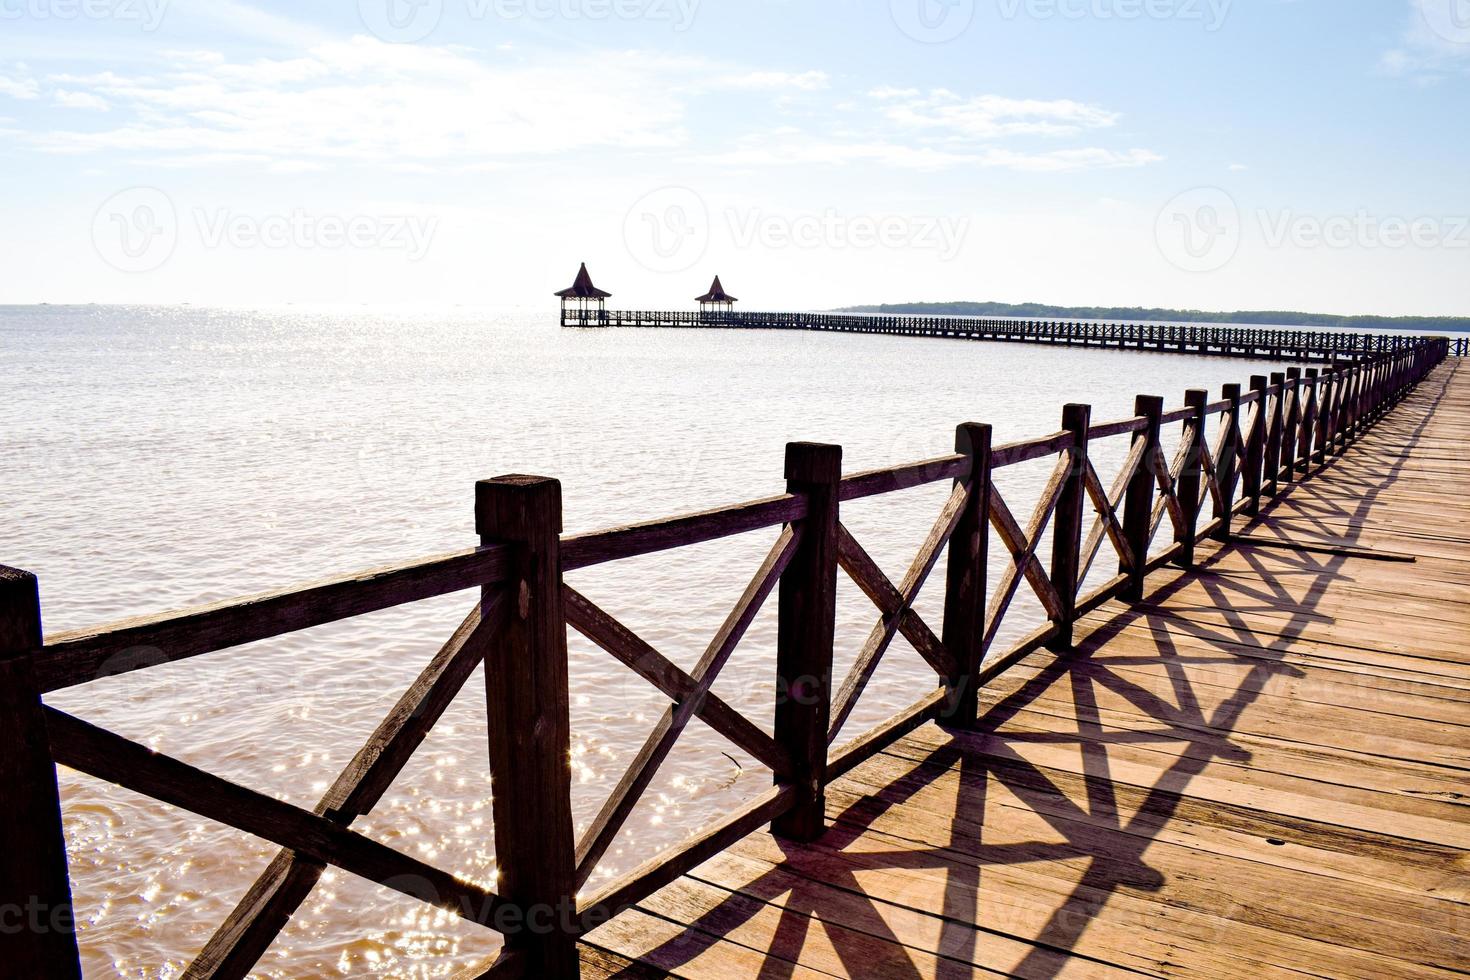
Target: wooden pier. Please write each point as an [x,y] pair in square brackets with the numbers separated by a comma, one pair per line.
[1259,771]
[1260,343]
[1242,753]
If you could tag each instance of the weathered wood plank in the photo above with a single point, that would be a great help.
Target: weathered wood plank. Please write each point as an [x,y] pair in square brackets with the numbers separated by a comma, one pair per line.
[966,575]
[38,932]
[247,932]
[134,644]
[1022,546]
[895,603]
[1066,538]
[806,624]
[1161,799]
[528,726]
[614,544]
[640,772]
[634,652]
[112,758]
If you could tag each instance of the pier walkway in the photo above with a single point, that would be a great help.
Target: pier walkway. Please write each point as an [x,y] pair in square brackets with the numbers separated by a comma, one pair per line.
[1242,753]
[1261,343]
[1260,771]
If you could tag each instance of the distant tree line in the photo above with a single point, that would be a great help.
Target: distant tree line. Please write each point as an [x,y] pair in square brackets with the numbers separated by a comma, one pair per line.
[1268,317]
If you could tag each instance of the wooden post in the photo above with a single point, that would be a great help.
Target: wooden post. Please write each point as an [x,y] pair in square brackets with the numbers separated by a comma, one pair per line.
[805,629]
[1340,379]
[1308,423]
[1277,419]
[1255,448]
[37,933]
[1370,395]
[1066,532]
[1350,410]
[1228,465]
[1331,378]
[529,726]
[1290,422]
[1190,477]
[964,595]
[1360,402]
[1138,505]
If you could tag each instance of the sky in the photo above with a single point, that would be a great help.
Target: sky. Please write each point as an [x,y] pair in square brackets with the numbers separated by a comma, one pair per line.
[1203,154]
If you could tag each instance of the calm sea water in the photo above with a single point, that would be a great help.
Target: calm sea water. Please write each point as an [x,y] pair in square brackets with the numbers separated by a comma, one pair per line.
[158,458]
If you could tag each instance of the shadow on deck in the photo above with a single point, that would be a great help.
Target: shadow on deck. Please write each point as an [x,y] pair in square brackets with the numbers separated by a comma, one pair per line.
[1256,771]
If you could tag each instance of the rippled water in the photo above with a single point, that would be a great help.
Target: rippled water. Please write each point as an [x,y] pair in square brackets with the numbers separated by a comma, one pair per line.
[156,458]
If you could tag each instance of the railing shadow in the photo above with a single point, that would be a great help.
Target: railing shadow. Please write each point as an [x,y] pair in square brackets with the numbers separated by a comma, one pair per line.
[810,879]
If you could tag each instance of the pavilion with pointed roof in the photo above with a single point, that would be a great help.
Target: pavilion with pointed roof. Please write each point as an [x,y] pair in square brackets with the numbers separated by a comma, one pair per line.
[716,300]
[580,297]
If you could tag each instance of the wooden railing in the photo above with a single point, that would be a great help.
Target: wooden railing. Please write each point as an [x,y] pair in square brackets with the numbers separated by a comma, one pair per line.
[1277,432]
[1255,342]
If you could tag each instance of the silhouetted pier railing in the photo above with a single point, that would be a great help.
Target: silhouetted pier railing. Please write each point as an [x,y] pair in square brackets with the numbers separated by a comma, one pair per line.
[1275,431]
[1270,343]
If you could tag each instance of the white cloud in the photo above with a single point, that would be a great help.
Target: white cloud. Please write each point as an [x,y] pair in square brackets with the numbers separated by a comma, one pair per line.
[366,100]
[1434,42]
[779,149]
[939,130]
[991,116]
[809,81]
[802,150]
[424,109]
[1060,161]
[68,99]
[19,87]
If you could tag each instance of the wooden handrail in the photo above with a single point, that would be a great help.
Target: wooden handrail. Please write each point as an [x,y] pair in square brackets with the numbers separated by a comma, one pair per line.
[80,656]
[615,544]
[1298,422]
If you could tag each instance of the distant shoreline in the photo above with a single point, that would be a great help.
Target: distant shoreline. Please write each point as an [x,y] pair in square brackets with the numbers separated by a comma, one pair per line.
[1275,318]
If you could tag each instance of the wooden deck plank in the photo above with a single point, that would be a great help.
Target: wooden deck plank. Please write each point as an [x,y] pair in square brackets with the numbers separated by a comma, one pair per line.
[1431,870]
[1258,771]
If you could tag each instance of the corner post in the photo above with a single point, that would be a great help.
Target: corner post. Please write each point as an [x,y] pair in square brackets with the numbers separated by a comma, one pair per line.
[965,575]
[527,699]
[1138,505]
[1191,477]
[41,941]
[1066,534]
[805,628]
[1227,467]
